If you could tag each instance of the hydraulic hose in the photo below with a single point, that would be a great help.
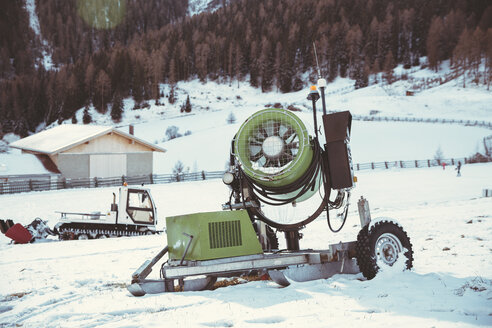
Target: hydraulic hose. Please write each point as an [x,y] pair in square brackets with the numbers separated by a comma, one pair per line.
[269,195]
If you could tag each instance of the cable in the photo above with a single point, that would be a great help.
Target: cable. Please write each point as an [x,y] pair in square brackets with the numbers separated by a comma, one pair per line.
[269,195]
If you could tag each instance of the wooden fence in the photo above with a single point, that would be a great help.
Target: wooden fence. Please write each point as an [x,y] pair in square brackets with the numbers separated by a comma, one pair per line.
[375,118]
[42,183]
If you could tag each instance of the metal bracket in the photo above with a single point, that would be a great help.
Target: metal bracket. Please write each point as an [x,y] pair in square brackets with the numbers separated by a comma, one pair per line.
[145,269]
[187,247]
[364,212]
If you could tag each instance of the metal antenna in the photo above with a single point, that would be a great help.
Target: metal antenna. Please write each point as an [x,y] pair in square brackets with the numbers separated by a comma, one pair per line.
[321,81]
[317,63]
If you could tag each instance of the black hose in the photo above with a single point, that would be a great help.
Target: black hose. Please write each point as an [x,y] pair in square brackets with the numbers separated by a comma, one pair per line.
[269,195]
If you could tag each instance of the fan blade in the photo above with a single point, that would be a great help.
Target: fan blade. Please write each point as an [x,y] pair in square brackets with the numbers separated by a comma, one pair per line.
[256,157]
[288,133]
[263,132]
[276,128]
[286,158]
[292,145]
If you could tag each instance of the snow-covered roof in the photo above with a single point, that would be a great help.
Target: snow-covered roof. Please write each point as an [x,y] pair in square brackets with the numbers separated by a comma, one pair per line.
[66,136]
[21,164]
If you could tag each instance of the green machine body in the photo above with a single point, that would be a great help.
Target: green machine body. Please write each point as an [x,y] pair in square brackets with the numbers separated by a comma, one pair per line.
[211,235]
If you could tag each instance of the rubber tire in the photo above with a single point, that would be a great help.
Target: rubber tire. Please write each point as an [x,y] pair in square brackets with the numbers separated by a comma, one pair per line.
[83,236]
[366,242]
[66,235]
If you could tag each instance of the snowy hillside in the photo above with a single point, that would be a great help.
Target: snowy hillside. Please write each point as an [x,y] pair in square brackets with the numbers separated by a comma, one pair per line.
[206,133]
[196,7]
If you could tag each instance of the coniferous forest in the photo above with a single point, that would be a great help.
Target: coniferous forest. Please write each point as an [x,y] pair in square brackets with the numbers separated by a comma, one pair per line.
[127,52]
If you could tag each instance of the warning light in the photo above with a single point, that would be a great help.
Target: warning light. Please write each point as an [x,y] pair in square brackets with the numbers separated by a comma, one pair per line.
[313,88]
[125,184]
[355,178]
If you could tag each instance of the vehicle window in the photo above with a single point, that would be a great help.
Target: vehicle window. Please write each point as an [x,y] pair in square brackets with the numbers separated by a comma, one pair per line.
[140,206]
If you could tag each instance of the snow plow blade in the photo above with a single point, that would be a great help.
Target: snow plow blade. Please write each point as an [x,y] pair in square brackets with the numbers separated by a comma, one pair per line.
[147,287]
[19,234]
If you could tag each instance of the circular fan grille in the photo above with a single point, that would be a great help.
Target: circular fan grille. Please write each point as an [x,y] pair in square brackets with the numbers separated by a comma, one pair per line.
[273,145]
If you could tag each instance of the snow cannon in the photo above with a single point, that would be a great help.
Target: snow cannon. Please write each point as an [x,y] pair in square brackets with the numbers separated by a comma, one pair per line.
[280,179]
[275,150]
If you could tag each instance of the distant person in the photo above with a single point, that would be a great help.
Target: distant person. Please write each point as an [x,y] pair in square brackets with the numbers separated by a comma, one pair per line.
[458,168]
[443,165]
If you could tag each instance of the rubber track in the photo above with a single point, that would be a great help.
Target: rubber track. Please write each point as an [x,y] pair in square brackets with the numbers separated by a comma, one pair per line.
[93,230]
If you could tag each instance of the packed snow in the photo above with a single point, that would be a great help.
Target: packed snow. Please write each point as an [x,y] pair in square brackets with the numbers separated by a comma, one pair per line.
[83,283]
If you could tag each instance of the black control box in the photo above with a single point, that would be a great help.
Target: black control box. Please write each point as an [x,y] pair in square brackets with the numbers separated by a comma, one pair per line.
[337,131]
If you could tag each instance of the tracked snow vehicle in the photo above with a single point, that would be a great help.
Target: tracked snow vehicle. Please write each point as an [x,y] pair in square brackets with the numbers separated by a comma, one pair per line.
[134,215]
[276,163]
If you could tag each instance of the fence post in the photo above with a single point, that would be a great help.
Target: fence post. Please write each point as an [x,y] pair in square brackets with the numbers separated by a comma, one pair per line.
[401,164]
[452,161]
[386,164]
[428,163]
[372,165]
[151,178]
[95,182]
[358,167]
[416,163]
[122,179]
[203,175]
[30,184]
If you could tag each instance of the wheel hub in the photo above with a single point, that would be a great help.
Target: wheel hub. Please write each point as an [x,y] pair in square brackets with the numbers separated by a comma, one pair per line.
[273,146]
[388,246]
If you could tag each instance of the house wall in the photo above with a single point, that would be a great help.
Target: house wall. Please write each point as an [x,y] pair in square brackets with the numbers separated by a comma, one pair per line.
[73,165]
[139,163]
[110,155]
[109,143]
[105,165]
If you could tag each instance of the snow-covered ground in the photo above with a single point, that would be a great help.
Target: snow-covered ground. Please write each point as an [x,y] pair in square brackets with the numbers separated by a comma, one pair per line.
[82,283]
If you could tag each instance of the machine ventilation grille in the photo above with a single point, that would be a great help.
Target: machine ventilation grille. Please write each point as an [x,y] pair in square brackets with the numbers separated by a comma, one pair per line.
[225,234]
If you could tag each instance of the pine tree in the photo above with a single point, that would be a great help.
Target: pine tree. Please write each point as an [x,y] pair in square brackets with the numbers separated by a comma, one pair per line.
[461,55]
[187,106]
[86,118]
[231,118]
[435,43]
[138,81]
[488,58]
[103,87]
[117,108]
[389,64]
[172,95]
[361,76]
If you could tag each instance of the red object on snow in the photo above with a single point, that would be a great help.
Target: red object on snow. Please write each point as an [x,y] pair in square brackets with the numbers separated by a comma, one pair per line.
[19,234]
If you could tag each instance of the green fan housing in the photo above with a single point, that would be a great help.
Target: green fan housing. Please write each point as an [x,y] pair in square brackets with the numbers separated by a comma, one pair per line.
[273,147]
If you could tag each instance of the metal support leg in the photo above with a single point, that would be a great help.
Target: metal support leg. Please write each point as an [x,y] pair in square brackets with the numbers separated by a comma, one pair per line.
[364,212]
[292,238]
